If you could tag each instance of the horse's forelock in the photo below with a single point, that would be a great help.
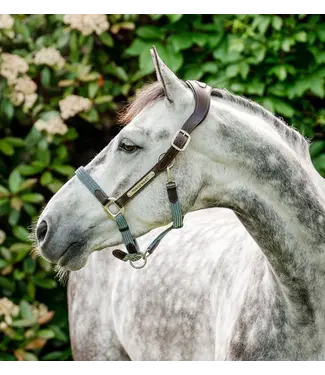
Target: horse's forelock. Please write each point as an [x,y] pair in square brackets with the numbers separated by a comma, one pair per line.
[143,98]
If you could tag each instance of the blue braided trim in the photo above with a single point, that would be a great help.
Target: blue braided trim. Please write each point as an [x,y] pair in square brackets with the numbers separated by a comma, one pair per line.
[88,181]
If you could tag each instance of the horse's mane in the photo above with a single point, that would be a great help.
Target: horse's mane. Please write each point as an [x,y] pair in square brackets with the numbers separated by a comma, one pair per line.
[155,91]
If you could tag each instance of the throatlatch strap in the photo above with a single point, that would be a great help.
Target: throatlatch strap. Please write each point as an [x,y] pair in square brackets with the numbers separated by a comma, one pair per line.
[177,218]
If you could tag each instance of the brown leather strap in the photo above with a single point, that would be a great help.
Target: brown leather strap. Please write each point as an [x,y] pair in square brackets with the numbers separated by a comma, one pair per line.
[202,95]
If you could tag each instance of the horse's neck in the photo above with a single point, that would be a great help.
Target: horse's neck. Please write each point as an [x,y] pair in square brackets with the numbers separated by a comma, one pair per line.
[278,196]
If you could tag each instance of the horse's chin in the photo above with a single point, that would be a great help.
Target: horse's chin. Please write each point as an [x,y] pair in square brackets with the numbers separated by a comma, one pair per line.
[72,263]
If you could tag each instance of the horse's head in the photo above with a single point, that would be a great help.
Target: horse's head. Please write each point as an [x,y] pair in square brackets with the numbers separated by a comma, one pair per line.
[74,224]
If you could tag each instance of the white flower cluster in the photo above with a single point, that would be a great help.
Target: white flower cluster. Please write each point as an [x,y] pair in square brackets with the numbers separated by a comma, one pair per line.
[11,66]
[23,88]
[49,56]
[2,236]
[73,104]
[52,126]
[7,309]
[24,92]
[87,23]
[6,21]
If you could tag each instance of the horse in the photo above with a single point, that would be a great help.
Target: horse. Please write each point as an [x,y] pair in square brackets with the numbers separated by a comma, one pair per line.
[253,290]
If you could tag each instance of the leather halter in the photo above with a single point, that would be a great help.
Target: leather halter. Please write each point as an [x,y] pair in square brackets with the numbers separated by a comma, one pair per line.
[180,141]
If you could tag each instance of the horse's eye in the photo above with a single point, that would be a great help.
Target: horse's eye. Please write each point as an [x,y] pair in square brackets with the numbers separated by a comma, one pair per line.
[128,147]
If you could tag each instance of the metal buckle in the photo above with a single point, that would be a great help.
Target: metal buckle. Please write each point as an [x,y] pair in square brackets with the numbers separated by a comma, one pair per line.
[185,133]
[111,202]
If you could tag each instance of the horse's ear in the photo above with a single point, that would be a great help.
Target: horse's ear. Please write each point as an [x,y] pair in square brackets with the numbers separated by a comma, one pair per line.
[173,87]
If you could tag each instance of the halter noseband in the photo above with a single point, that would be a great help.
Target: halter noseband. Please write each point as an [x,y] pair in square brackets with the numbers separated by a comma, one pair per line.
[115,207]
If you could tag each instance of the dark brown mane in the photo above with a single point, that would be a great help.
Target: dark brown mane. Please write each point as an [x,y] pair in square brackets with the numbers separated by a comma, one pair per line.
[144,97]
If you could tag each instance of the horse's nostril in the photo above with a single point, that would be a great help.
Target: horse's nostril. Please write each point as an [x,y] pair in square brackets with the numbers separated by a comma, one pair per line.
[41,231]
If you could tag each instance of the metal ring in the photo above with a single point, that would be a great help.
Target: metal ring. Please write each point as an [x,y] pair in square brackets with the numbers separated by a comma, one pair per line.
[144,257]
[171,164]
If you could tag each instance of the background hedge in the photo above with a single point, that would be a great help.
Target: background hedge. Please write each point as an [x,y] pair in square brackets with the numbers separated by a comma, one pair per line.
[45,131]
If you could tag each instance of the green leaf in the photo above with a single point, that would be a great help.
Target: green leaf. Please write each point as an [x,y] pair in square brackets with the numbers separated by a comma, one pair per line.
[277,22]
[150,32]
[31,290]
[15,141]
[45,283]
[24,322]
[15,180]
[74,48]
[19,275]
[30,356]
[28,170]
[66,170]
[316,148]
[280,72]
[28,184]
[106,39]
[21,233]
[321,33]
[136,47]
[46,334]
[46,77]
[243,69]
[301,36]
[43,154]
[6,254]
[7,284]
[174,17]
[255,87]
[199,38]
[55,186]
[210,67]
[316,86]
[4,192]
[232,70]
[90,116]
[145,62]
[6,148]
[283,108]
[30,209]
[103,99]
[46,178]
[13,217]
[8,109]
[319,162]
[93,88]
[32,198]
[181,41]
[19,246]
[194,72]
[25,310]
[53,356]
[59,334]
[4,206]
[174,60]
[29,265]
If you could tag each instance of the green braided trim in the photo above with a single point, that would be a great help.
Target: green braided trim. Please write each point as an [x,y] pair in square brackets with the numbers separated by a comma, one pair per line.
[133,257]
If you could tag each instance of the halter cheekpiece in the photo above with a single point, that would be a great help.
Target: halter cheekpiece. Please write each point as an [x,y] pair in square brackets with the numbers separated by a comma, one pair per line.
[114,207]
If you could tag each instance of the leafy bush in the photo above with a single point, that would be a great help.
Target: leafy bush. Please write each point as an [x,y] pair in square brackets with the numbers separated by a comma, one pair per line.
[62,79]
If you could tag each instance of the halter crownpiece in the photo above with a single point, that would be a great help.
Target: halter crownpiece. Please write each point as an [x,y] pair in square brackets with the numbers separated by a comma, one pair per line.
[114,207]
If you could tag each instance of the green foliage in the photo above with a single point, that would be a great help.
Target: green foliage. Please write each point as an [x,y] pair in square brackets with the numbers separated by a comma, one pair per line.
[278,61]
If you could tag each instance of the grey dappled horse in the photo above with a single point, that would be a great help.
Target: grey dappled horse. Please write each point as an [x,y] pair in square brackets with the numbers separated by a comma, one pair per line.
[241,285]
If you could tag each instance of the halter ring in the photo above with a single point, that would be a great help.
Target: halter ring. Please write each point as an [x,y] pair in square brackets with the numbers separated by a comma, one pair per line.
[144,257]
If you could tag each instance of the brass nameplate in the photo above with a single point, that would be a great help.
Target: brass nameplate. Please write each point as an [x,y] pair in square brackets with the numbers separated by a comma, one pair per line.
[140,184]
